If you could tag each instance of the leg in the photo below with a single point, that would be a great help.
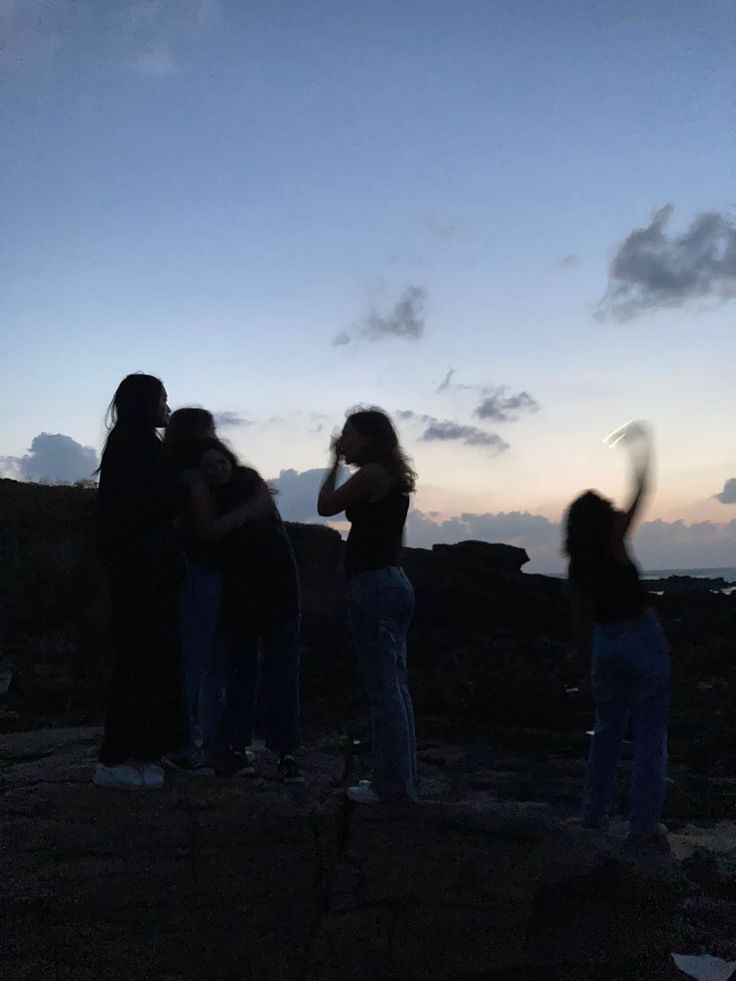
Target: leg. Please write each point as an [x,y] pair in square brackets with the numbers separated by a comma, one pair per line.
[200,609]
[380,611]
[145,714]
[241,688]
[281,660]
[611,689]
[651,718]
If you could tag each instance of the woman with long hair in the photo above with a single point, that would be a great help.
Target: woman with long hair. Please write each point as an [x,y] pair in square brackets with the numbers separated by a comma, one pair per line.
[630,663]
[260,607]
[375,500]
[200,532]
[137,545]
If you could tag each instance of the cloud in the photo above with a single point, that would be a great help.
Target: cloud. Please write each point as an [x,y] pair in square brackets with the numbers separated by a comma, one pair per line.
[501,407]
[658,544]
[728,494]
[405,320]
[225,420]
[445,383]
[52,457]
[568,261]
[653,270]
[298,491]
[155,59]
[442,229]
[447,431]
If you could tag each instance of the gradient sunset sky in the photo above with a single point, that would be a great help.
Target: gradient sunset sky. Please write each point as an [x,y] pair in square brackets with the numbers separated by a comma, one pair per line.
[510,224]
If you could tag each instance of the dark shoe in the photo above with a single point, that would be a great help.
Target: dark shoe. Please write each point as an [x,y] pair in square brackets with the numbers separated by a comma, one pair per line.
[288,769]
[235,764]
[189,765]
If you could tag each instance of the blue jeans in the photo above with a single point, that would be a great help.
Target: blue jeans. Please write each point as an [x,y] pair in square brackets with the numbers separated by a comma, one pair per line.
[281,648]
[204,679]
[381,606]
[631,681]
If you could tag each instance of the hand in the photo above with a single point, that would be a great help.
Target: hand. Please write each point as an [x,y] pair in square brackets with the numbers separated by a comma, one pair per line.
[336,447]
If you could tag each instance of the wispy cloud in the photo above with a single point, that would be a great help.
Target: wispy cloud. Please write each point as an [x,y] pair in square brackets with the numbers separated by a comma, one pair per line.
[231,420]
[438,227]
[405,320]
[500,407]
[155,59]
[445,383]
[568,261]
[728,494]
[449,431]
[654,270]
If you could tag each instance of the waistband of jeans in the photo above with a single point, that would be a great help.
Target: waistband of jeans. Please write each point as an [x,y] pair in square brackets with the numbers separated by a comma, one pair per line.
[356,576]
[644,619]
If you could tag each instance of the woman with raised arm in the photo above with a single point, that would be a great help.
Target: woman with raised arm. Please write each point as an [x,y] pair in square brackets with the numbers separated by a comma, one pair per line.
[137,501]
[375,501]
[630,662]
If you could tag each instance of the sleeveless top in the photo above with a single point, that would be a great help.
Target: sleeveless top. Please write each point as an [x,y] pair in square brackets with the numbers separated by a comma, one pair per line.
[613,588]
[376,531]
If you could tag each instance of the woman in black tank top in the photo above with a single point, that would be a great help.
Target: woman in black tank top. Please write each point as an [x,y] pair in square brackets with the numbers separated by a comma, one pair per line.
[375,501]
[630,664]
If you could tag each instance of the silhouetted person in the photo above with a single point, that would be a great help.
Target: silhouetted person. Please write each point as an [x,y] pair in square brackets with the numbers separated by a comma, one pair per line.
[200,529]
[375,501]
[260,603]
[200,601]
[630,666]
[136,541]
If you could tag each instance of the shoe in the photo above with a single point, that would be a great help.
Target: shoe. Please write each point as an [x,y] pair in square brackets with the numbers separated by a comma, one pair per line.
[153,776]
[363,794]
[235,764]
[124,776]
[288,769]
[189,765]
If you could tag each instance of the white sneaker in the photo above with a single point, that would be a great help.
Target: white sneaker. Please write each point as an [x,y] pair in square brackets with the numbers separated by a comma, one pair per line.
[124,775]
[363,794]
[153,776]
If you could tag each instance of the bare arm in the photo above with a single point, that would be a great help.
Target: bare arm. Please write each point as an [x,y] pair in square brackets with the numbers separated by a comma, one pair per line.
[370,483]
[582,622]
[210,527]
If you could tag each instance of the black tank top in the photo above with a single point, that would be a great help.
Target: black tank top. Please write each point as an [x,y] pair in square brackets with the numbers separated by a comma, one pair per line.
[613,589]
[375,532]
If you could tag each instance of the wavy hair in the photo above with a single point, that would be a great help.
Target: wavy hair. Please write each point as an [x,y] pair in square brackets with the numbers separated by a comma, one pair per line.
[382,445]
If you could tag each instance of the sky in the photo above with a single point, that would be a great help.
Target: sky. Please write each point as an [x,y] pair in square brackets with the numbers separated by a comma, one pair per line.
[510,225]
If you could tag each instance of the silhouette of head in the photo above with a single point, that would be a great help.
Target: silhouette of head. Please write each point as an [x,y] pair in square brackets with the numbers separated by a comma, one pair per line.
[216,462]
[368,436]
[588,527]
[139,403]
[186,428]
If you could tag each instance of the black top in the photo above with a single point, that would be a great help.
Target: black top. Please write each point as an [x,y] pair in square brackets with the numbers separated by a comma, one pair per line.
[260,578]
[136,505]
[376,531]
[613,589]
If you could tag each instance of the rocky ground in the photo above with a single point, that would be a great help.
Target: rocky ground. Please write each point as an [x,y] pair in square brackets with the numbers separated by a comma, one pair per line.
[489,877]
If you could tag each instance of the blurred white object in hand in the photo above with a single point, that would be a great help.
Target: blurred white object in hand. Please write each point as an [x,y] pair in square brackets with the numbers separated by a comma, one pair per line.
[635,432]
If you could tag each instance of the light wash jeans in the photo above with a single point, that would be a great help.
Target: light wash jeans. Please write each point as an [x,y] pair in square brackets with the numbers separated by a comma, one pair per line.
[204,666]
[631,682]
[381,606]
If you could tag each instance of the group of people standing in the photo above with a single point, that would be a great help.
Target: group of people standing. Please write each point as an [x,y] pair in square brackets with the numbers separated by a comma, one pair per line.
[205,594]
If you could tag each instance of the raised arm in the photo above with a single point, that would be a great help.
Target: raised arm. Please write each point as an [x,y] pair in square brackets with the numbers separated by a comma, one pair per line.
[369,483]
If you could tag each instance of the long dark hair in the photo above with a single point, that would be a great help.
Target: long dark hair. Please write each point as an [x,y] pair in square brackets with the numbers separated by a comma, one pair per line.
[244,482]
[382,446]
[588,527]
[133,412]
[183,435]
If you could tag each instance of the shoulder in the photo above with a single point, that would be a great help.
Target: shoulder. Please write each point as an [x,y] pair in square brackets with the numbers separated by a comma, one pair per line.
[375,475]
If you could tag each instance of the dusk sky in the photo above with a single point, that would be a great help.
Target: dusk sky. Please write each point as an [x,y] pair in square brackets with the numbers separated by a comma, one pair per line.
[510,224]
